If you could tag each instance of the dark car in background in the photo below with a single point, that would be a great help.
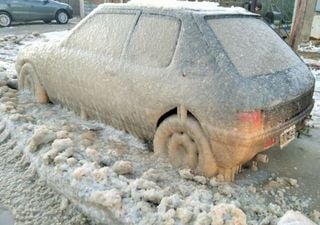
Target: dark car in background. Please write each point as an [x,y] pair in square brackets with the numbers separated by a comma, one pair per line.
[30,10]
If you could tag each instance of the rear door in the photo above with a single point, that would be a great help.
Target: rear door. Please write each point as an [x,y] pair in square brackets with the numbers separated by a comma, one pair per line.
[148,71]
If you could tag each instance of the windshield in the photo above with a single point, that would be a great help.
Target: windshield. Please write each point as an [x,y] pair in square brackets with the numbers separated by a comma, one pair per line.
[252,46]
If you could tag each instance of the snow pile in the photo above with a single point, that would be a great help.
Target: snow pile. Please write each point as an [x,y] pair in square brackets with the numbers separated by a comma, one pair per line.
[57,35]
[173,4]
[316,109]
[113,177]
[309,47]
[110,174]
[295,218]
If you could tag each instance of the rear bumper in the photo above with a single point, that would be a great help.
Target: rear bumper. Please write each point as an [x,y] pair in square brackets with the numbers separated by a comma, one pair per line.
[232,148]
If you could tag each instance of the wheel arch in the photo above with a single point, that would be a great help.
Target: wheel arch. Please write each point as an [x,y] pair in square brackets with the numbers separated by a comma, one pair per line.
[10,15]
[5,11]
[174,111]
[61,10]
[40,92]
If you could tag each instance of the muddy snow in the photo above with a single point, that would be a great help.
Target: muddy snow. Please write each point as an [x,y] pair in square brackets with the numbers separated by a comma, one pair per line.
[53,165]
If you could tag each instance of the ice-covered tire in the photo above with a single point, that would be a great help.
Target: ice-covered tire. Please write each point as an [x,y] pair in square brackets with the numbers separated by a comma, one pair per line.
[62,17]
[28,80]
[5,19]
[185,144]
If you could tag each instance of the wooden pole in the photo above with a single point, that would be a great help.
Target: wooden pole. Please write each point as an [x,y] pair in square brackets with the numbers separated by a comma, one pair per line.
[302,22]
[253,5]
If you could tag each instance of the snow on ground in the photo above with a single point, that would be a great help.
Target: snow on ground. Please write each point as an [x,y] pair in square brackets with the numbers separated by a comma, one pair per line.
[308,47]
[315,69]
[173,4]
[316,110]
[114,177]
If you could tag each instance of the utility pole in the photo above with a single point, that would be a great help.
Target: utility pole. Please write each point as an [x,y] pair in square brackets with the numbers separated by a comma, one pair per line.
[253,6]
[302,22]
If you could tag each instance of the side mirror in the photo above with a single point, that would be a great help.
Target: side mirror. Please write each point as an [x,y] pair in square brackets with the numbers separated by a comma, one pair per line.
[45,1]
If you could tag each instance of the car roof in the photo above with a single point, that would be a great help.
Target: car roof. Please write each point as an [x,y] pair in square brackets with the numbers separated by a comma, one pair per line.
[208,8]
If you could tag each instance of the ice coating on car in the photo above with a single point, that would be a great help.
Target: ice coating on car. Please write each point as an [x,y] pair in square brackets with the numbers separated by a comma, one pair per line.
[172,4]
[273,55]
[181,5]
[163,76]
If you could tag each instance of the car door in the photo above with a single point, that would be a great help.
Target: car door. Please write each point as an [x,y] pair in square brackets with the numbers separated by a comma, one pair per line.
[148,71]
[39,9]
[19,9]
[87,65]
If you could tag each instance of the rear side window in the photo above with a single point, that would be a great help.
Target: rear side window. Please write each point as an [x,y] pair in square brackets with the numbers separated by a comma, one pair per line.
[154,41]
[252,46]
[103,33]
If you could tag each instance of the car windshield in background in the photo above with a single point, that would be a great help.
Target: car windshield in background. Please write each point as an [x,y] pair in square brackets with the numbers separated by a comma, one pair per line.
[252,46]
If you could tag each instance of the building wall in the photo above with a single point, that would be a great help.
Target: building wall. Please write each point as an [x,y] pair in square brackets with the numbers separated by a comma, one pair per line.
[75,4]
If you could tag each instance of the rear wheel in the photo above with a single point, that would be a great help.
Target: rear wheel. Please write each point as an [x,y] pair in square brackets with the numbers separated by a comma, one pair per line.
[185,144]
[28,80]
[62,17]
[5,19]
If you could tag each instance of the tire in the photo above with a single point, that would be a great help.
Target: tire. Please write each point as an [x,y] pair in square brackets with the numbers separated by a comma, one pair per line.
[5,19]
[62,17]
[185,144]
[28,80]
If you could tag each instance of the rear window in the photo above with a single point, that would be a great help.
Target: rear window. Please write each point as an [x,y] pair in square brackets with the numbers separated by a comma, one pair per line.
[252,46]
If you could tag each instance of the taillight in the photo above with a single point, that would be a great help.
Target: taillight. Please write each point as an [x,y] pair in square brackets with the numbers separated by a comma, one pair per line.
[251,120]
[269,143]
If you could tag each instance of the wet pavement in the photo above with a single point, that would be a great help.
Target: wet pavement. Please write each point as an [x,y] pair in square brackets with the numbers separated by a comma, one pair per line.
[37,26]
[5,217]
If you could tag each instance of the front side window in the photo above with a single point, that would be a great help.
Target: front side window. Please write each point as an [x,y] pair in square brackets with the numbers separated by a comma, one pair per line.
[154,41]
[103,33]
[252,46]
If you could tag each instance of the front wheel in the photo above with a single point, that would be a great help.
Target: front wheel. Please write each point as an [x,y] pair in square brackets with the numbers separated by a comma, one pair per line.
[28,80]
[62,17]
[185,144]
[5,19]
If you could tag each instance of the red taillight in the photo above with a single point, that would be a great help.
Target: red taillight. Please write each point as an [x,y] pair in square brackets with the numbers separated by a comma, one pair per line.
[269,143]
[251,120]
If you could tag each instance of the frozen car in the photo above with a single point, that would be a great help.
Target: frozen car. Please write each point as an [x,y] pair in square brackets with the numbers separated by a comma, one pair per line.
[211,87]
[29,10]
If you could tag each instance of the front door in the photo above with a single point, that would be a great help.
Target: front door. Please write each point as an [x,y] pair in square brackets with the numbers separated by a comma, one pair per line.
[39,9]
[88,63]
[19,9]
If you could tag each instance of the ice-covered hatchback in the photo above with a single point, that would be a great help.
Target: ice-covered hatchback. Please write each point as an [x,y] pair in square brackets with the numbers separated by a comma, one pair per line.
[211,86]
